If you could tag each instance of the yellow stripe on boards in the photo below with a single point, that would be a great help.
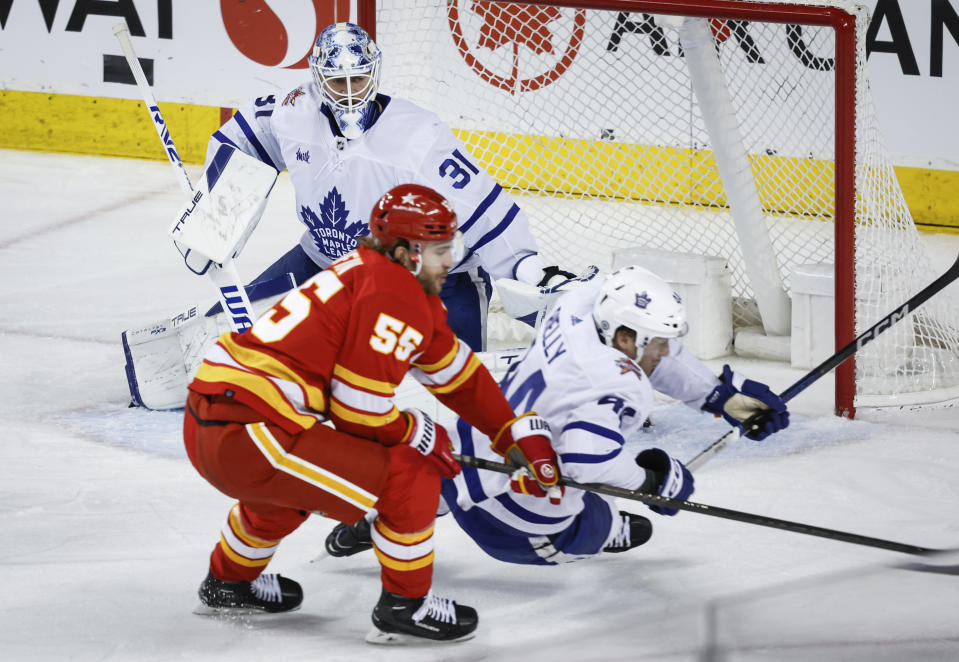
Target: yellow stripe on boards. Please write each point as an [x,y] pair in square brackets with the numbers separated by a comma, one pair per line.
[121,127]
[646,173]
[98,125]
[405,566]
[277,456]
[932,197]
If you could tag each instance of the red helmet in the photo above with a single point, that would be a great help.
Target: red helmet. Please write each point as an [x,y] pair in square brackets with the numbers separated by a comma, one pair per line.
[414,213]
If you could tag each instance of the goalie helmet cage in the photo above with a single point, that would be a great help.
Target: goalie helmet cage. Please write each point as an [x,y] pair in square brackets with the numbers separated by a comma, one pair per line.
[613,126]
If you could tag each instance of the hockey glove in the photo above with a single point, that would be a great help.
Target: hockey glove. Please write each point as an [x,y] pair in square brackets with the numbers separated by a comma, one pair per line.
[526,442]
[665,476]
[749,405]
[522,481]
[432,440]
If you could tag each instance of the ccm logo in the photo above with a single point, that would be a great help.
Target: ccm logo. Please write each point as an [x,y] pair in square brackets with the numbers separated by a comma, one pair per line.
[882,326]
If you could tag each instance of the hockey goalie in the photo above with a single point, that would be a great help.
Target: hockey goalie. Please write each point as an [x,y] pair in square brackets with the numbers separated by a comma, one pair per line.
[343,143]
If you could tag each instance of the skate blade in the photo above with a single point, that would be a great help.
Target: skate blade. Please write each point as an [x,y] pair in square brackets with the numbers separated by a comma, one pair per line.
[235,612]
[377,636]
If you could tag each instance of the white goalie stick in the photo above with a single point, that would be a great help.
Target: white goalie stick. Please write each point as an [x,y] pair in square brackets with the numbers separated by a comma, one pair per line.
[225,277]
[900,313]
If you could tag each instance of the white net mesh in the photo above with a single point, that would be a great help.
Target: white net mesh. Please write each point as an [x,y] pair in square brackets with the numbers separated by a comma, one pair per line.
[590,119]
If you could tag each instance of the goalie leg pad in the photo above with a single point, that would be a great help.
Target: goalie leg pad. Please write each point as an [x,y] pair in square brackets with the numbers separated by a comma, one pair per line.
[161,358]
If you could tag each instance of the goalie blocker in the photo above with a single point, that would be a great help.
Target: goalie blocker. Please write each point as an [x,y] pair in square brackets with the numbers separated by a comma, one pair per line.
[213,227]
[223,210]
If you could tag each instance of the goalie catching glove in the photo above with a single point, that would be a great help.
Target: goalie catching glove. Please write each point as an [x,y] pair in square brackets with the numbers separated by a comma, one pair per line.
[665,476]
[432,440]
[749,405]
[553,276]
[530,303]
[525,442]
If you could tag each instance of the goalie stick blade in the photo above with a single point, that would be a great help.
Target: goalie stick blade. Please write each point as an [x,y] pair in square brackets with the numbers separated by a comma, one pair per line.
[377,636]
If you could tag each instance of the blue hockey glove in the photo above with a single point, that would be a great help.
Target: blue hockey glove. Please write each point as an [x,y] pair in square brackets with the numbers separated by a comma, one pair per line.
[749,405]
[665,476]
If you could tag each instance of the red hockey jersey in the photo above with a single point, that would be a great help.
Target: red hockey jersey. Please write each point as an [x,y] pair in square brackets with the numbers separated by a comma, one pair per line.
[337,348]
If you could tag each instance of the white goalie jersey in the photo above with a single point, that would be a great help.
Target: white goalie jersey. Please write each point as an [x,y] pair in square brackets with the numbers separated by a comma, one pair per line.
[337,181]
[594,398]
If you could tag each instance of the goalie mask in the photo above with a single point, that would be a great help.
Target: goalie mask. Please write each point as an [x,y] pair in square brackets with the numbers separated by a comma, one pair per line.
[642,301]
[346,68]
[417,215]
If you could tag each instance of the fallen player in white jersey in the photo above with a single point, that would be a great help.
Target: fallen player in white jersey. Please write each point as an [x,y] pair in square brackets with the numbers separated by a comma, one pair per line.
[591,373]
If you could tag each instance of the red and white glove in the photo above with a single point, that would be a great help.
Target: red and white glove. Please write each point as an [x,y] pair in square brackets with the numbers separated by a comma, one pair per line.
[432,440]
[522,481]
[526,442]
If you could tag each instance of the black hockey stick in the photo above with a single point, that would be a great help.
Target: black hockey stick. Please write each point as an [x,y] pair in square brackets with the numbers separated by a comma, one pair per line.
[714,511]
[833,361]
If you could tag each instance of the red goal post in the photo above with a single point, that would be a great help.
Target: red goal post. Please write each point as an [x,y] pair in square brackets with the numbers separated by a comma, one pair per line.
[423,33]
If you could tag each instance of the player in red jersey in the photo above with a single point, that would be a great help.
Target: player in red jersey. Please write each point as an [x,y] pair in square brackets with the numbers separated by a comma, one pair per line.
[335,350]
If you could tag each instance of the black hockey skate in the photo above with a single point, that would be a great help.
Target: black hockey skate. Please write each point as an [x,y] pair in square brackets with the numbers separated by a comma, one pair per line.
[400,620]
[634,531]
[269,593]
[349,539]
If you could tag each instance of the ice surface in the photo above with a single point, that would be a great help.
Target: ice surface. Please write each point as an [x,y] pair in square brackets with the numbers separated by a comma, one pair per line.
[107,528]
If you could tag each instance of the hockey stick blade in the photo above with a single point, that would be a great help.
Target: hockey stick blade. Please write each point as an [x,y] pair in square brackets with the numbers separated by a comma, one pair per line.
[887,322]
[715,511]
[714,448]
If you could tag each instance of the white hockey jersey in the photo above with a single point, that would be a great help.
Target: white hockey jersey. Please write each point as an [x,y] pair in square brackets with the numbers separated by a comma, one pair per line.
[337,181]
[594,398]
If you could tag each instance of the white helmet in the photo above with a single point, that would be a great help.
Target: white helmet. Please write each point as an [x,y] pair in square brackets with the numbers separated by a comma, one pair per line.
[344,51]
[639,300]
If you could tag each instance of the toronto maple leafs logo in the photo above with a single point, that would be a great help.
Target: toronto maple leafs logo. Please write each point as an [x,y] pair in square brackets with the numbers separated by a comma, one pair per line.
[642,300]
[331,231]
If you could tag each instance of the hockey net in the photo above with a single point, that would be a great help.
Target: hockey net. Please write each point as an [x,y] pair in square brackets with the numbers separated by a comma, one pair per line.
[594,118]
